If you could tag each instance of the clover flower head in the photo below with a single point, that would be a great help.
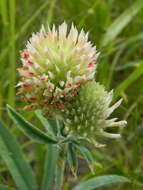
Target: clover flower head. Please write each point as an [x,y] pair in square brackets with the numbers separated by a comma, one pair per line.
[54,65]
[87,114]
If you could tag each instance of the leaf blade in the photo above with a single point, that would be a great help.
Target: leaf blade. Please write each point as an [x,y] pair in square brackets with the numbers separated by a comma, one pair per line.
[87,156]
[3,11]
[11,153]
[28,128]
[59,177]
[71,158]
[118,25]
[100,181]
[4,187]
[50,166]
[46,123]
[131,78]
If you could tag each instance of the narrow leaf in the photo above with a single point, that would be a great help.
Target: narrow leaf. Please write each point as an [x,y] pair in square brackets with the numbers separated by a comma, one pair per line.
[3,11]
[12,52]
[50,128]
[4,187]
[132,77]
[100,181]
[118,25]
[50,12]
[59,178]
[24,28]
[12,155]
[50,166]
[86,155]
[71,157]
[29,129]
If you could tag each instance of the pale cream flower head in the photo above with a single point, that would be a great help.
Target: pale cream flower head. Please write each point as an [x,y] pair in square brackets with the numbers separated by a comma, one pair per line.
[55,65]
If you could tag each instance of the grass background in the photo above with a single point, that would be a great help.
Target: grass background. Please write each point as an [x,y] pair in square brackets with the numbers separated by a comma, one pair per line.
[116,27]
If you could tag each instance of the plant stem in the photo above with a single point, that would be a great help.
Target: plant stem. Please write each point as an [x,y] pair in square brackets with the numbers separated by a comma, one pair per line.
[60,168]
[50,166]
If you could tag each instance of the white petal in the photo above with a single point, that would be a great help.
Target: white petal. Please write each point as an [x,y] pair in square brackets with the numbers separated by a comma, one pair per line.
[97,144]
[42,31]
[81,37]
[73,34]
[51,75]
[111,109]
[109,97]
[69,75]
[54,32]
[62,31]
[118,124]
[109,135]
[61,83]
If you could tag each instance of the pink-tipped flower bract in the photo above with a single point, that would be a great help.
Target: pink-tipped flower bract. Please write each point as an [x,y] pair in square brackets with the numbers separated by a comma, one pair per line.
[54,65]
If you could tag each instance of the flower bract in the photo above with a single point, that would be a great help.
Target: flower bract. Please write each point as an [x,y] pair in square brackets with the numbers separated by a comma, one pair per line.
[55,63]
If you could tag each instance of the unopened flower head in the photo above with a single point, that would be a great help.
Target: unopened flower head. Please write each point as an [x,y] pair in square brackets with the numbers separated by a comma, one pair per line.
[55,64]
[87,114]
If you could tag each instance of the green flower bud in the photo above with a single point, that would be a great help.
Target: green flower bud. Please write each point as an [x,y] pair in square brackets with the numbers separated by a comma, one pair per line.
[87,114]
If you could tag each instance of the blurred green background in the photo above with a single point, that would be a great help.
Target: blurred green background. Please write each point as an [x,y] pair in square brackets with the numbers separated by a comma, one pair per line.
[116,27]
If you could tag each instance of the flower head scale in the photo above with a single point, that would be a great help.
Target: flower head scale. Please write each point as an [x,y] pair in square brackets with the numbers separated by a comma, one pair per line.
[55,64]
[87,114]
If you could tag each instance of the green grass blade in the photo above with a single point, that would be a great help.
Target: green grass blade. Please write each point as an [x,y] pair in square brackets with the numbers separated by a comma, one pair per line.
[46,123]
[118,25]
[131,64]
[12,56]
[24,28]
[127,42]
[28,128]
[50,12]
[3,11]
[132,77]
[50,166]
[12,155]
[100,181]
[4,187]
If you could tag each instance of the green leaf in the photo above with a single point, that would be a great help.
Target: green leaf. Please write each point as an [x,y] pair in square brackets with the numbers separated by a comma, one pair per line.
[48,126]
[59,178]
[100,181]
[118,25]
[12,155]
[50,12]
[29,129]
[87,155]
[71,157]
[132,77]
[4,11]
[23,28]
[4,187]
[59,127]
[50,166]
[127,65]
